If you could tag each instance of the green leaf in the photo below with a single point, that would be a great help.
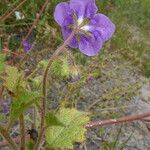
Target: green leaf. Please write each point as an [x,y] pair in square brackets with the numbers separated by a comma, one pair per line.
[60,68]
[52,120]
[30,145]
[22,102]
[2,62]
[14,80]
[73,131]
[2,117]
[43,64]
[36,81]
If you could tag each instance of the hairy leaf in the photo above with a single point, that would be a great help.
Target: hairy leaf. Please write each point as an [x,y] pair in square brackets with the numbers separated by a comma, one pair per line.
[43,64]
[22,102]
[60,68]
[72,131]
[14,80]
[52,120]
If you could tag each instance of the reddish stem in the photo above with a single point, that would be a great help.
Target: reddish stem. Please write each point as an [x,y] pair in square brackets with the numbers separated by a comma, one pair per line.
[119,120]
[95,124]
[145,120]
[44,99]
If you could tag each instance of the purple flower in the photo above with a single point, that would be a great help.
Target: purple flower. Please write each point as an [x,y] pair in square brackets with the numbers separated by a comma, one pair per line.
[27,47]
[92,29]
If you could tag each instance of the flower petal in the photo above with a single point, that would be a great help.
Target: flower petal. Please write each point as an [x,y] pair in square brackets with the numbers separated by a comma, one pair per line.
[63,13]
[102,24]
[73,43]
[27,47]
[84,8]
[91,46]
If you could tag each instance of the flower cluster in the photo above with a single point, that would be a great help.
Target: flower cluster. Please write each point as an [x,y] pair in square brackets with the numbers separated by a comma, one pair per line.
[91,29]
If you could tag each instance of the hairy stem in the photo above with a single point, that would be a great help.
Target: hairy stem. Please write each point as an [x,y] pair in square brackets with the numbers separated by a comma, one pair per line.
[118,120]
[140,117]
[8,138]
[22,132]
[44,99]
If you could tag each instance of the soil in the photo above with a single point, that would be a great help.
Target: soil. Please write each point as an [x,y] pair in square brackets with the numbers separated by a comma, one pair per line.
[97,96]
[120,90]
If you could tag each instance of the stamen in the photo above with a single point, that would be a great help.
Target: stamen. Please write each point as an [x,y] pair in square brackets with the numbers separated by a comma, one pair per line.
[88,34]
[75,19]
[70,27]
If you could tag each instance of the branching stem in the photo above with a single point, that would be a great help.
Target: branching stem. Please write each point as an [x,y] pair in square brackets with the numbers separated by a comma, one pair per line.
[44,99]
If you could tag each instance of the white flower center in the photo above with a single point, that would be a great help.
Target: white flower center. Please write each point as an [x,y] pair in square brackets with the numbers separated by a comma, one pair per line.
[86,28]
[80,20]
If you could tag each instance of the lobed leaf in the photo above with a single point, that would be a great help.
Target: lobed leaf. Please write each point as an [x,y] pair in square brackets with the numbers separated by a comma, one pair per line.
[14,80]
[72,131]
[22,102]
[52,120]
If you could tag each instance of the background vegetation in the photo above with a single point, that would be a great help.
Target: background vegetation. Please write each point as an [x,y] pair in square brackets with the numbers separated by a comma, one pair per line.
[129,46]
[131,18]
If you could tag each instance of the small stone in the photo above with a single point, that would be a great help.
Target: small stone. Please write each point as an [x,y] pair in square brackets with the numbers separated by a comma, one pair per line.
[145,93]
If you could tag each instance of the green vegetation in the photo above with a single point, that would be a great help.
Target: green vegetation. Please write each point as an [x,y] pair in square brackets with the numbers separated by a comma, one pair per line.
[126,53]
[132,36]
[131,18]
